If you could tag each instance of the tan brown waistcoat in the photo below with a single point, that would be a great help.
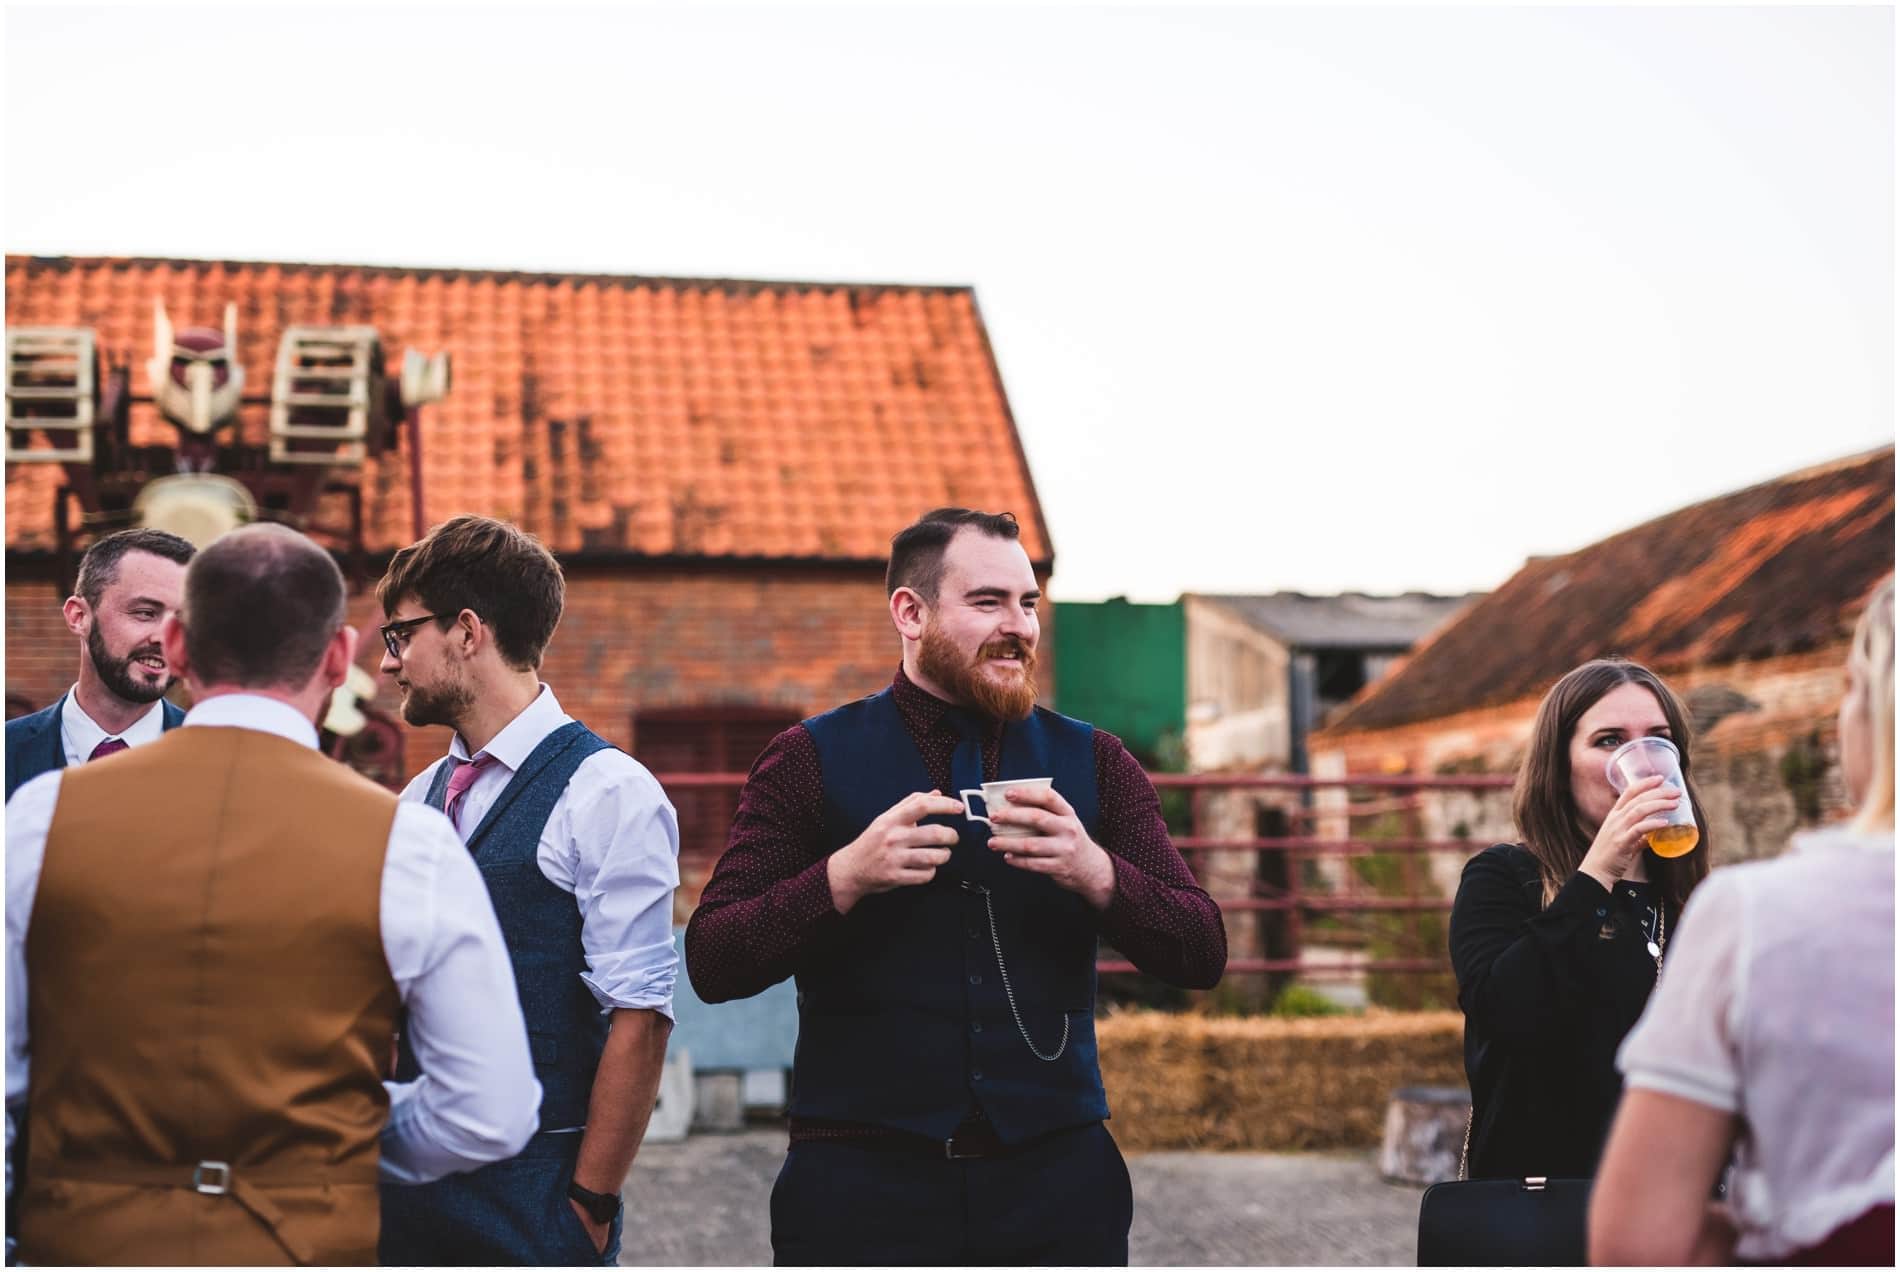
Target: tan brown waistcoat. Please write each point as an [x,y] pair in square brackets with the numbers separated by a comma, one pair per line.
[207,984]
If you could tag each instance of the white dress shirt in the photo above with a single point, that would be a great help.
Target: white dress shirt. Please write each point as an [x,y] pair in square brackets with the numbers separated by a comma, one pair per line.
[477,1100]
[1776,1005]
[79,733]
[612,840]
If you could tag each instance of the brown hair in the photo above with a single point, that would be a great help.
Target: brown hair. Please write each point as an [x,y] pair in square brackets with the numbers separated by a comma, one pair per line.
[500,571]
[99,568]
[1543,807]
[917,550]
[261,603]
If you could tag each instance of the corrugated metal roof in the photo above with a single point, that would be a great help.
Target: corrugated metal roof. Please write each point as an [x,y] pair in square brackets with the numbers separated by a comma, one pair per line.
[1350,620]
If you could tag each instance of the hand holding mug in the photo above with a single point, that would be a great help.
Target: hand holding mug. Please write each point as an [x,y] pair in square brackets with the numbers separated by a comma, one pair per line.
[894,851]
[1038,831]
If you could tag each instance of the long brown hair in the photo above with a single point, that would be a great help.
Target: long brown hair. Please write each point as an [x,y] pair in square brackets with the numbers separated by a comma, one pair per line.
[1545,811]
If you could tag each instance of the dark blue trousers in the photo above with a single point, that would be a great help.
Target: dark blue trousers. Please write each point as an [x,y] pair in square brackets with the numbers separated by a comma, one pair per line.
[1062,1200]
[514,1213]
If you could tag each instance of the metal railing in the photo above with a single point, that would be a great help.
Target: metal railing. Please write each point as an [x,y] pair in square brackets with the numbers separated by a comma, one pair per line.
[1299,905]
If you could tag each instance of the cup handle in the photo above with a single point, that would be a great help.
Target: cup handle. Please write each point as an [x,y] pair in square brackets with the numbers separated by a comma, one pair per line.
[966,797]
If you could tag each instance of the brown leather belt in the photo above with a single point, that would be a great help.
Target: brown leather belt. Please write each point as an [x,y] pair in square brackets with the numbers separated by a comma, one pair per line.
[973,1139]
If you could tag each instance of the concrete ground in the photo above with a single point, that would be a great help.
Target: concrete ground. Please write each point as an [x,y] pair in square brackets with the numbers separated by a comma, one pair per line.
[703,1202]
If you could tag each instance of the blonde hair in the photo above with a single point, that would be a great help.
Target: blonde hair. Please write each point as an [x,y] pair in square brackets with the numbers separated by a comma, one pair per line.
[1873,655]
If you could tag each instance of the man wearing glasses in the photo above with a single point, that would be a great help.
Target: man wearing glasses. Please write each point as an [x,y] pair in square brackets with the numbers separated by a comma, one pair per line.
[579,848]
[199,1004]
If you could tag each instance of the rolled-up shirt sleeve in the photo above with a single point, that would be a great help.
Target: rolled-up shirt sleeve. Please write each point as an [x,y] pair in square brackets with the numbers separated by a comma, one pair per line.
[477,1100]
[625,839]
[1685,1043]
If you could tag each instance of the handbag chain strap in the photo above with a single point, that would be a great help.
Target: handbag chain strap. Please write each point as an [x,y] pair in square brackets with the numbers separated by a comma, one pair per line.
[1464,1154]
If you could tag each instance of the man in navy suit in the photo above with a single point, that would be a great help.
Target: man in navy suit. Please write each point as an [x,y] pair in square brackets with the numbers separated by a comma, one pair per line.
[128,583]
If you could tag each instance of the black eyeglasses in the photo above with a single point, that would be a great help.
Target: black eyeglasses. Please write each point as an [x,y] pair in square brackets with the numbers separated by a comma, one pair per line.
[396,635]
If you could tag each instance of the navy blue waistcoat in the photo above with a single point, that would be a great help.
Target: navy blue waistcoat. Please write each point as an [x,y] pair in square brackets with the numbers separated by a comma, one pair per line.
[35,746]
[902,1018]
[541,925]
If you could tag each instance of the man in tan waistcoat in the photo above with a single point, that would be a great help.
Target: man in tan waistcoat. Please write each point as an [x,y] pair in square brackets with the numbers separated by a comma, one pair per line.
[207,942]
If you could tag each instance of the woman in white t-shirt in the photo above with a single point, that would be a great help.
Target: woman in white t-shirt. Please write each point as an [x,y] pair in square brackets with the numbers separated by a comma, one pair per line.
[1771,1036]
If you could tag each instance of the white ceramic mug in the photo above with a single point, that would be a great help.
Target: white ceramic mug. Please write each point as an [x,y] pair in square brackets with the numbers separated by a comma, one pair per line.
[994,793]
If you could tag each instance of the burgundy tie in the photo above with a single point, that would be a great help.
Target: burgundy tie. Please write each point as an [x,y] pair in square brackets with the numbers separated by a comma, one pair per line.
[466,771]
[111,746]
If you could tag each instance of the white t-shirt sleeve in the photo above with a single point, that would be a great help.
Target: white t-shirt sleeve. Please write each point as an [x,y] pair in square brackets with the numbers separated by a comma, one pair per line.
[477,1100]
[1686,1043]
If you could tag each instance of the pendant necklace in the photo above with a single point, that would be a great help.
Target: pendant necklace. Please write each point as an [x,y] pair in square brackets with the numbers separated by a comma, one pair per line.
[1655,947]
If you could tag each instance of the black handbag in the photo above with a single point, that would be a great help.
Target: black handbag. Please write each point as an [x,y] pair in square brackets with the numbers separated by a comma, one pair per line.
[1533,1222]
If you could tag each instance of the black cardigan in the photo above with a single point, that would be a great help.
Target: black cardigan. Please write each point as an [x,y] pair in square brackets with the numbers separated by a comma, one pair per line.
[1548,995]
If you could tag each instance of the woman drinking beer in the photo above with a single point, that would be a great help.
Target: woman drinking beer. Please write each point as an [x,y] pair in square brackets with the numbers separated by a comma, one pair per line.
[1772,1038]
[1558,939]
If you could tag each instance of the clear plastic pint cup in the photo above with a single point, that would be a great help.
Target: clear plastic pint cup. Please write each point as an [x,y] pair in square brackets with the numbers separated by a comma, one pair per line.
[1657,757]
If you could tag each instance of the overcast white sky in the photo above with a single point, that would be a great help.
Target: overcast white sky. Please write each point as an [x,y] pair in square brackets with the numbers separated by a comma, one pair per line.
[1283,298]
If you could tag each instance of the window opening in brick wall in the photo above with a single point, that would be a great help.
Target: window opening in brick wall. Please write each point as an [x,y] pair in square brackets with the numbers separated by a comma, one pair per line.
[723,739]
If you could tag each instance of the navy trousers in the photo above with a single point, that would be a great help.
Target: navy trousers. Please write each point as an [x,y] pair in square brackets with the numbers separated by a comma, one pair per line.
[1062,1200]
[514,1212]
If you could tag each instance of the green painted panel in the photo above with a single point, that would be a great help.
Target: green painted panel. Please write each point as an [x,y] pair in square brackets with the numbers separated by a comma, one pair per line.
[1123,667]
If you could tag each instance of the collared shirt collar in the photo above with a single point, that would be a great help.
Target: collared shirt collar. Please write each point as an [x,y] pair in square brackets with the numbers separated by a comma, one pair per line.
[518,738]
[254,711]
[924,711]
[80,733]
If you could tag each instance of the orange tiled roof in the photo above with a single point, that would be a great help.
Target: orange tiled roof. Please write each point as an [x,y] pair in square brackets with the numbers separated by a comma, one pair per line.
[1779,568]
[661,417]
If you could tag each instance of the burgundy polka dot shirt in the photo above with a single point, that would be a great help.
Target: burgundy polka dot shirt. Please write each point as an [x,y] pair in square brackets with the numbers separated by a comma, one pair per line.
[769,898]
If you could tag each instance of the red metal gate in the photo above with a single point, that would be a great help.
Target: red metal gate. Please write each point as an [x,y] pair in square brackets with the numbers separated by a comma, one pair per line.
[1396,802]
[1392,797]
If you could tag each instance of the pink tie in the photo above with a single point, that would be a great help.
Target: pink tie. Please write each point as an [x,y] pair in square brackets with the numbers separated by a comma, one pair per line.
[111,746]
[466,771]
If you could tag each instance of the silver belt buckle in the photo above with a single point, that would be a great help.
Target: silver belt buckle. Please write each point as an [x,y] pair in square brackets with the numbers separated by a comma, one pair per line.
[212,1187]
[1534,1183]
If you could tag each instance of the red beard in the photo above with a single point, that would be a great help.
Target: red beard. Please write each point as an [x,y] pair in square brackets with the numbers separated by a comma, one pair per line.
[940,660]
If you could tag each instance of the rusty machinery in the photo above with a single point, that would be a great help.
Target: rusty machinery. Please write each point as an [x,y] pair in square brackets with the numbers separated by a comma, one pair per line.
[332,404]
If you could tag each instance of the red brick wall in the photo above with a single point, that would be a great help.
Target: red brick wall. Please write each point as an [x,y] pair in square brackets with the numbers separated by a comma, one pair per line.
[805,639]
[633,641]
[42,657]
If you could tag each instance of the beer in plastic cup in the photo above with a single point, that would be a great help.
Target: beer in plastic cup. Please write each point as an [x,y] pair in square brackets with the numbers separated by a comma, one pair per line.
[1658,757]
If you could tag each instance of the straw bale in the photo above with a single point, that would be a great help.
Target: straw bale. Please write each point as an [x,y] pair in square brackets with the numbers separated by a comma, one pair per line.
[1268,1083]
